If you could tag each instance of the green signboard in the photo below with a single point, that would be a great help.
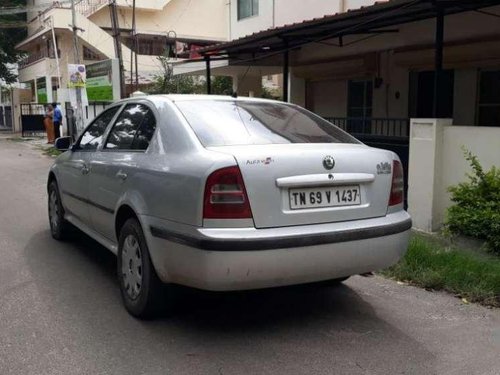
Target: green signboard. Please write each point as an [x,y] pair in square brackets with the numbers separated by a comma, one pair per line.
[100,81]
[41,90]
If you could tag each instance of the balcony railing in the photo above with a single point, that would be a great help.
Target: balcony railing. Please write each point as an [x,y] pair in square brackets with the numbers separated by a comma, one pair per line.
[37,56]
[87,7]
[385,127]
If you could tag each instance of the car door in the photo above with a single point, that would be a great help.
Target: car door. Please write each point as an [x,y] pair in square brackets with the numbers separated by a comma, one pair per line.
[74,172]
[115,167]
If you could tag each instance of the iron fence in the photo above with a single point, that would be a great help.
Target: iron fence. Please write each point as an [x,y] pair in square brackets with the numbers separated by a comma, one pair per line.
[385,127]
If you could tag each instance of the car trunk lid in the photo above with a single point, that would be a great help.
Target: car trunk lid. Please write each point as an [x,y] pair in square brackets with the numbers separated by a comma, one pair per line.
[289,184]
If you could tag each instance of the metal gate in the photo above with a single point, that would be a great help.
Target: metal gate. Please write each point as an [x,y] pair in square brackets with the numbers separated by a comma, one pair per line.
[386,133]
[32,116]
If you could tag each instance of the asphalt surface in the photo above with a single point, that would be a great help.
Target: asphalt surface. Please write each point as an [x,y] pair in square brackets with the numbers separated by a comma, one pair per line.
[61,313]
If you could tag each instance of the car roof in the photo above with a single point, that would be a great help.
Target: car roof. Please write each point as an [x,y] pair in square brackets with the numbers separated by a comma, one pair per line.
[194,97]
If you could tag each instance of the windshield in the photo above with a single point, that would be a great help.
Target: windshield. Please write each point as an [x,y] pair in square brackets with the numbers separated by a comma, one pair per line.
[231,122]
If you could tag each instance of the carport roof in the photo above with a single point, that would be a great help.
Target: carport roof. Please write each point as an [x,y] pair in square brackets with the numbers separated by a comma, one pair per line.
[365,20]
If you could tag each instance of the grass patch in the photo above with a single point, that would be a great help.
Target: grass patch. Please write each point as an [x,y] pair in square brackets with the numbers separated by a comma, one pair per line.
[51,151]
[429,264]
[19,139]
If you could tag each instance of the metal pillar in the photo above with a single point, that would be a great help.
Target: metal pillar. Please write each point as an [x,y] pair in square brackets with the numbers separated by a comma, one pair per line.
[209,83]
[56,53]
[117,43]
[285,74]
[438,62]
[78,113]
[136,47]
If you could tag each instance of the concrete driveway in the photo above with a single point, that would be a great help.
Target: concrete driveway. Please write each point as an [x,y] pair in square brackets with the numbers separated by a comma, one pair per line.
[60,313]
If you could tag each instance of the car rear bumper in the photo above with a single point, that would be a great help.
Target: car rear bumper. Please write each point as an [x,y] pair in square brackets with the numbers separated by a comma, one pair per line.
[248,258]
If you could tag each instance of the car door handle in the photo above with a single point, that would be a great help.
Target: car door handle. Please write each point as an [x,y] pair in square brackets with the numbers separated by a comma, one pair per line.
[85,169]
[122,175]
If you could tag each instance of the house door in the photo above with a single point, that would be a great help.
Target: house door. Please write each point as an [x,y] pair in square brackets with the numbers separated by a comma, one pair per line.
[422,94]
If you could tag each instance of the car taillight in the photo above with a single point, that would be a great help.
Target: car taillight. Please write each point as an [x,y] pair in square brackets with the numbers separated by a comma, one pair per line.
[397,186]
[225,196]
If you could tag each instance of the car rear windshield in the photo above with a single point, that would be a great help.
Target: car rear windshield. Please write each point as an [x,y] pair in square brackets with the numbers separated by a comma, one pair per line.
[231,122]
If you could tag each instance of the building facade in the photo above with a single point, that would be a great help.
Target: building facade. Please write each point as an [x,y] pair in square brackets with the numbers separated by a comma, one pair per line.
[247,17]
[161,27]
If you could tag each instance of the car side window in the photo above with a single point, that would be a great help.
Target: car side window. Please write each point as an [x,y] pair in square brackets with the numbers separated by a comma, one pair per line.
[133,128]
[93,136]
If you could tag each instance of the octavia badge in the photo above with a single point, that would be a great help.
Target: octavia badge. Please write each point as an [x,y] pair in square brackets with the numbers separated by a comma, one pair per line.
[328,162]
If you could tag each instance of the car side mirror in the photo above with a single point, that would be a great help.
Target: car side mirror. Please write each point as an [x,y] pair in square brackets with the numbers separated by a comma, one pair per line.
[63,143]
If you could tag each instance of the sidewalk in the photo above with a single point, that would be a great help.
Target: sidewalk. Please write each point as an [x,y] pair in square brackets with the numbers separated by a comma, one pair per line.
[35,143]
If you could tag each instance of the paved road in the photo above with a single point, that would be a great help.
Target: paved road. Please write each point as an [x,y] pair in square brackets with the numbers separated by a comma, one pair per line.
[60,313]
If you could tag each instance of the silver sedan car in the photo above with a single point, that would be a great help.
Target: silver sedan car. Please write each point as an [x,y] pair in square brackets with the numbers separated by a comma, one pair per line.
[222,193]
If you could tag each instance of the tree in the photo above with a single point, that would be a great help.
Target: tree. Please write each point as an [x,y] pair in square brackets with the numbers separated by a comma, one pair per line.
[168,83]
[9,37]
[222,85]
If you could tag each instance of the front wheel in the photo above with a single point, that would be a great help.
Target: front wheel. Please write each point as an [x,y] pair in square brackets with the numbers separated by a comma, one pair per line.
[60,228]
[143,293]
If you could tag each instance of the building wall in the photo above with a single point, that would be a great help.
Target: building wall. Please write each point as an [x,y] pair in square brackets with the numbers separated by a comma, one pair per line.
[240,28]
[31,15]
[207,19]
[437,162]
[275,13]
[291,11]
[145,4]
[18,96]
[328,96]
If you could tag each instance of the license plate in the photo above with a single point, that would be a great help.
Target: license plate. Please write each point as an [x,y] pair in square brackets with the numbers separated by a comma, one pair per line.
[324,197]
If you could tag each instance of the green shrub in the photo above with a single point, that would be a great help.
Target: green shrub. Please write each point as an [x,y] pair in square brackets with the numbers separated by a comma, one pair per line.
[476,211]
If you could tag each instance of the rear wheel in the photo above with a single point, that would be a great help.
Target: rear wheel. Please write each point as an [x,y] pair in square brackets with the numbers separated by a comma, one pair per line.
[142,291]
[60,228]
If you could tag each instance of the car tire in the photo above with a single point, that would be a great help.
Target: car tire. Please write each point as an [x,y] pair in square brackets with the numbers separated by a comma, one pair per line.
[60,228]
[143,293]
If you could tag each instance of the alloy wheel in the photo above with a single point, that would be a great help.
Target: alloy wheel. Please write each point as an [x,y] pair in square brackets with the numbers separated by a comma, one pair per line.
[132,266]
[54,210]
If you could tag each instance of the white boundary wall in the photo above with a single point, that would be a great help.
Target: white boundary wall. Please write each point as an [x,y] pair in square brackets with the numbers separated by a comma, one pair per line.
[437,162]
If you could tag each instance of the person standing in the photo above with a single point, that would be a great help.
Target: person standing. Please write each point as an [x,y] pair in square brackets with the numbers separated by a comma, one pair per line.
[49,124]
[57,120]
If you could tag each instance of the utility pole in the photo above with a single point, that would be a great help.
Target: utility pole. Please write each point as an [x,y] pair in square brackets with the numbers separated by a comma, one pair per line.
[136,46]
[118,46]
[79,110]
[75,35]
[56,53]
